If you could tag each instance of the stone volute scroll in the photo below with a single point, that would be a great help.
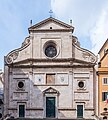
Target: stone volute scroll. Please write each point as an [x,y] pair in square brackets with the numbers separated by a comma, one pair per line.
[13,55]
[91,58]
[85,55]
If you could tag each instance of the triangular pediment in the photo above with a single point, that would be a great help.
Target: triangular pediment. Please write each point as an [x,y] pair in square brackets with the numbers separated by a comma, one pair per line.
[50,90]
[51,24]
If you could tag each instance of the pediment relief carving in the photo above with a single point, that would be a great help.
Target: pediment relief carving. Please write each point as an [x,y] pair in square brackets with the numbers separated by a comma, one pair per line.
[13,55]
[50,90]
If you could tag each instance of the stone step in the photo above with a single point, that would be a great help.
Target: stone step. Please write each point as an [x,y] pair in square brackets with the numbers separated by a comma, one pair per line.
[46,119]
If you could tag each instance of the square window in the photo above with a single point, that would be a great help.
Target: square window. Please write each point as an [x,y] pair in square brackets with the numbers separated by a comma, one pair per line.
[105,81]
[104,96]
[50,79]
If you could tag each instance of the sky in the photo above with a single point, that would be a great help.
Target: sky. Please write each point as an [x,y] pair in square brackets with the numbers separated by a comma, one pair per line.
[89,17]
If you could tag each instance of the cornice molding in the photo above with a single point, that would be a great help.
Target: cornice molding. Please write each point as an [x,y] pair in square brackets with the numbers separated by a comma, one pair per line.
[51,30]
[51,66]
[32,61]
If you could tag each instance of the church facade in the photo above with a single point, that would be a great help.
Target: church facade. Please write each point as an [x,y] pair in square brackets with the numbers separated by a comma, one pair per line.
[50,75]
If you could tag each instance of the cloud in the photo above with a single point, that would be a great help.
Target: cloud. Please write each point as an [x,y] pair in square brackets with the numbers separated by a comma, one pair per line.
[99,33]
[11,30]
[15,16]
[89,19]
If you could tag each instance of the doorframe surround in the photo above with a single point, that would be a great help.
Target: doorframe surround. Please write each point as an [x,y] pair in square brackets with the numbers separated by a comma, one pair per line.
[51,92]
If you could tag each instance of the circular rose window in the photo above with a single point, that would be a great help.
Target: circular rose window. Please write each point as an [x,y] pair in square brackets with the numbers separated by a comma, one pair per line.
[50,49]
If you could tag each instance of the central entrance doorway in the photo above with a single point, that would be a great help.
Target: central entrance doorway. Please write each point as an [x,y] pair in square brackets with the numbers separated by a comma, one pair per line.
[50,107]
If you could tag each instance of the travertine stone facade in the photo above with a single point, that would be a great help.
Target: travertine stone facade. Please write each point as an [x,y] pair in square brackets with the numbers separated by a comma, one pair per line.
[50,75]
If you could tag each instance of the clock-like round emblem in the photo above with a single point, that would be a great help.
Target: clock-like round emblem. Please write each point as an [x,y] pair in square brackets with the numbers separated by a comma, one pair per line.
[50,51]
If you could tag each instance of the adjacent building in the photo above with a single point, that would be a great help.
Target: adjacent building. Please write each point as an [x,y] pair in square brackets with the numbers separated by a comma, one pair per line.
[50,75]
[1,94]
[103,81]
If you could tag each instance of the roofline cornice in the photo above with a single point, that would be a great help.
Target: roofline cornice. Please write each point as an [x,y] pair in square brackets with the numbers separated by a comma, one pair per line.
[51,30]
[103,46]
[51,66]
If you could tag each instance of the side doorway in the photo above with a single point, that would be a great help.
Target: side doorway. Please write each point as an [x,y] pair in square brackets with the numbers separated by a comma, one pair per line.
[79,111]
[50,107]
[21,111]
